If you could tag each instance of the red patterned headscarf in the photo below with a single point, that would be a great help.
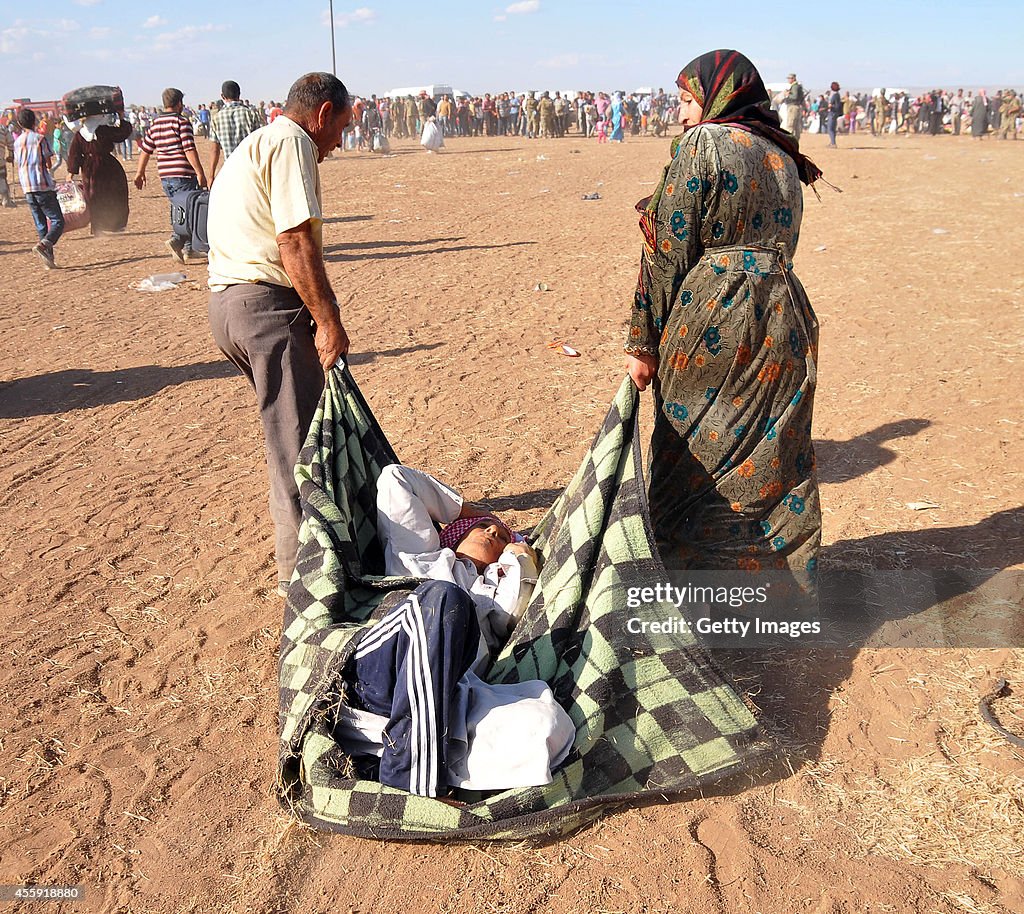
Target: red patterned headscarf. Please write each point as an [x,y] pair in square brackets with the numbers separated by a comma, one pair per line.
[730,91]
[456,531]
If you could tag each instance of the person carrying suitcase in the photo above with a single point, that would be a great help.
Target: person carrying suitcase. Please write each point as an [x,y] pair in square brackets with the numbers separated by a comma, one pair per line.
[177,160]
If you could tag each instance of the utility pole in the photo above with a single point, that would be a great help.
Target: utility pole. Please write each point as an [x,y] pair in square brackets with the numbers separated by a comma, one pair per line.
[334,63]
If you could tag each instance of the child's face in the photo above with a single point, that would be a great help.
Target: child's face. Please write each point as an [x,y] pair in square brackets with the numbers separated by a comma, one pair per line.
[483,544]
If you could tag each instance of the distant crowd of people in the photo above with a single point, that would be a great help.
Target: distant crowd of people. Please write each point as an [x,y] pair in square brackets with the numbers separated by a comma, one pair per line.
[39,145]
[603,115]
[898,112]
[614,116]
[608,117]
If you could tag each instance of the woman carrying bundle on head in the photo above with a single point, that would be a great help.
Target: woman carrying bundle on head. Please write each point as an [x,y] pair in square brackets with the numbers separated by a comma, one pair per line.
[103,179]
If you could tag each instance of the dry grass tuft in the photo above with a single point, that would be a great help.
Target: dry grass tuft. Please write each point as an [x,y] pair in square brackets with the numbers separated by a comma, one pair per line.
[963,902]
[961,801]
[277,839]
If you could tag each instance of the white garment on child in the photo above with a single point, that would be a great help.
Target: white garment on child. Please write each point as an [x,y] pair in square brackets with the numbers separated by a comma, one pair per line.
[408,503]
[502,736]
[506,735]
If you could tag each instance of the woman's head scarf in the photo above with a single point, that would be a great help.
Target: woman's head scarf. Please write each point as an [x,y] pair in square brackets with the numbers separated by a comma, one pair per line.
[730,91]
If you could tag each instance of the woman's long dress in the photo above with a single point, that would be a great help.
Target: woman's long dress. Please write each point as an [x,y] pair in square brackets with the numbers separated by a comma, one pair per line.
[979,116]
[616,119]
[733,483]
[103,180]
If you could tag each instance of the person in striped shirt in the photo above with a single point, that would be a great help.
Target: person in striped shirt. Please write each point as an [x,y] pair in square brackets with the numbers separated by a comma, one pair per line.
[177,159]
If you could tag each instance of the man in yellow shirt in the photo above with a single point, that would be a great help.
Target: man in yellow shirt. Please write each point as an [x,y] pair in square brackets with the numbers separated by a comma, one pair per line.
[272,310]
[445,110]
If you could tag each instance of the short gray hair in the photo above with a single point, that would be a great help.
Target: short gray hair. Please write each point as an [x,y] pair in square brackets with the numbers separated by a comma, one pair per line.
[309,92]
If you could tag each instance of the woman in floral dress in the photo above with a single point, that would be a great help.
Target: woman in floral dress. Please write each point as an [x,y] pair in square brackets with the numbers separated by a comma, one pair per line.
[724,331]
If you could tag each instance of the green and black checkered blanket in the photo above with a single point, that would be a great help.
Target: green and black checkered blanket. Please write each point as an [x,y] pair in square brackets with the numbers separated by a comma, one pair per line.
[653,714]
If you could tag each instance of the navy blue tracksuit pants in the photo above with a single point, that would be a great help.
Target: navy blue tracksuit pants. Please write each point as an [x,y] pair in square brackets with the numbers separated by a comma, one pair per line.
[406,668]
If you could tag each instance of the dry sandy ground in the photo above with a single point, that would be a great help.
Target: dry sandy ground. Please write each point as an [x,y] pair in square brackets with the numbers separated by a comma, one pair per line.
[140,632]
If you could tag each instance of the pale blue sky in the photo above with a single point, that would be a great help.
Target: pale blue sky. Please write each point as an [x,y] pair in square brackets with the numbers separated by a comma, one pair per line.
[144,46]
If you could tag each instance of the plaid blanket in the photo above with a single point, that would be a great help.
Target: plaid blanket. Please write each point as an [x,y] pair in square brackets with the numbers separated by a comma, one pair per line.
[653,714]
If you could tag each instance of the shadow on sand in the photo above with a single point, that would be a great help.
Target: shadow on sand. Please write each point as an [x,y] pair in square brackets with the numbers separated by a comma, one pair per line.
[82,388]
[841,461]
[373,249]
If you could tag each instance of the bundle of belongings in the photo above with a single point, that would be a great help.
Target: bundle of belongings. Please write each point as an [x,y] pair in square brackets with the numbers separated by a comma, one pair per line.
[441,680]
[91,107]
[93,101]
[73,205]
[432,137]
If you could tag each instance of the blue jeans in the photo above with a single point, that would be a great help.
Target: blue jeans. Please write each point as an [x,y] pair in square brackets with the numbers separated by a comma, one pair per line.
[831,126]
[174,186]
[45,209]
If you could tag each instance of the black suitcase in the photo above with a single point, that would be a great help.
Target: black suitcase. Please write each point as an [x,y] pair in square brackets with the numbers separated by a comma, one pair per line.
[189,211]
[90,100]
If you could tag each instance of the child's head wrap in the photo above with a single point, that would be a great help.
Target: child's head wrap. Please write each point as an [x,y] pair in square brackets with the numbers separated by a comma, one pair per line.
[456,531]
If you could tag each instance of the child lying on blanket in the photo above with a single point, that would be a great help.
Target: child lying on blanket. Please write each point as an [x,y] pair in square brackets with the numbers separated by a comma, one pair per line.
[414,696]
[474,551]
